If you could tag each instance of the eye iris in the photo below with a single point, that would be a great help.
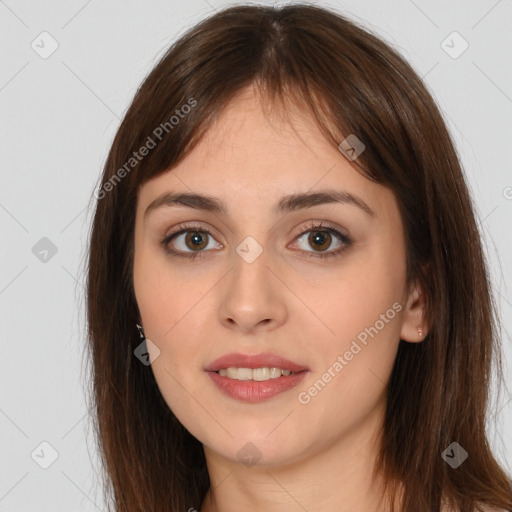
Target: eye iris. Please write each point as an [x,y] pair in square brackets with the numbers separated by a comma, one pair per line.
[320,237]
[195,238]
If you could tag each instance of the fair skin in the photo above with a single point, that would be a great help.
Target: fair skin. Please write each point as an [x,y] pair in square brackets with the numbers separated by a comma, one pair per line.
[314,456]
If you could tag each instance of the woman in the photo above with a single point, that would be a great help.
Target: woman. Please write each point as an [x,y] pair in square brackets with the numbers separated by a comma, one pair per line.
[288,303]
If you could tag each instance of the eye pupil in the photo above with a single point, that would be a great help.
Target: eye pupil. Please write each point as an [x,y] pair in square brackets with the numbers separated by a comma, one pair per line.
[320,237]
[195,238]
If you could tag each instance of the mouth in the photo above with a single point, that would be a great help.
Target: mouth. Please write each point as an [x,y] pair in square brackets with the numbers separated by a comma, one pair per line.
[255,378]
[258,374]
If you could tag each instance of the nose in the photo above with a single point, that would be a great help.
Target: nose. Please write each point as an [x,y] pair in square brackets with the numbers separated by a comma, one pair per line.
[252,298]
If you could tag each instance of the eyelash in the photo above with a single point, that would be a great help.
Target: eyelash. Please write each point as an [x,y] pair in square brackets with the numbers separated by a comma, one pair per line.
[184,228]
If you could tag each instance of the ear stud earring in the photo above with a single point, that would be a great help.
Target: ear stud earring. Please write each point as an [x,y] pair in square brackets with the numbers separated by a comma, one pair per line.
[141,332]
[420,331]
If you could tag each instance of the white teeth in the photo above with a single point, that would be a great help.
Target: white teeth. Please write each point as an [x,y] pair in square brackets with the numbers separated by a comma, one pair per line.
[243,373]
[275,372]
[258,374]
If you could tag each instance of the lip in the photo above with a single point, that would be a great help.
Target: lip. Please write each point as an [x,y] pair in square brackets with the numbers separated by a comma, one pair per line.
[265,359]
[255,391]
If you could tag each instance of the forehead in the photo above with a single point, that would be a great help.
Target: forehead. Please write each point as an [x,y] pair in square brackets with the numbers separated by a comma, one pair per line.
[255,155]
[250,122]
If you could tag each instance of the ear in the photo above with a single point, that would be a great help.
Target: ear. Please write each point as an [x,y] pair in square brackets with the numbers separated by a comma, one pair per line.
[414,327]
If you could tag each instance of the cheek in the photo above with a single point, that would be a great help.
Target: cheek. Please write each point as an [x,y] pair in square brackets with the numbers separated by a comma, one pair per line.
[161,295]
[353,371]
[172,310]
[355,298]
[171,317]
[363,311]
[366,341]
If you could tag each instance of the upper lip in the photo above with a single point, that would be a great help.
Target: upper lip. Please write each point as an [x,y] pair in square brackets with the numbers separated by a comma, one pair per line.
[254,361]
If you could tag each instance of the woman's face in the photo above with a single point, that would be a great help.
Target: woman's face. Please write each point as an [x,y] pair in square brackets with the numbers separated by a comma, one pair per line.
[259,285]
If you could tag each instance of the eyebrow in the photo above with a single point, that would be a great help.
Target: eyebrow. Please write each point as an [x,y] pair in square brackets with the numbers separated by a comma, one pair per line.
[286,204]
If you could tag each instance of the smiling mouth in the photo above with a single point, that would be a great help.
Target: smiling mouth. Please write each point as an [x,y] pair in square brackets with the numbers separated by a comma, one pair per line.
[257,374]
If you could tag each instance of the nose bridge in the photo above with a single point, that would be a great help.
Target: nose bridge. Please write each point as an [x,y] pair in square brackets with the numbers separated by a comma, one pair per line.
[251,276]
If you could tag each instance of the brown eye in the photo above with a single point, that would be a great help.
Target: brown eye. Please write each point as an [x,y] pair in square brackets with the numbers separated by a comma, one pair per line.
[320,239]
[190,241]
[196,240]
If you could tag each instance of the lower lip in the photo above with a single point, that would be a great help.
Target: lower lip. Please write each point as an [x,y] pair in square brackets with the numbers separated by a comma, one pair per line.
[253,390]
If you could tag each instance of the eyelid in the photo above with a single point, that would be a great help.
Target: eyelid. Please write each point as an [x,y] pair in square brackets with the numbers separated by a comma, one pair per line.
[321,225]
[190,226]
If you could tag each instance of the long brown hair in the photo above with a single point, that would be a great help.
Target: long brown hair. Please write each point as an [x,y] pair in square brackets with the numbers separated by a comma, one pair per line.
[352,83]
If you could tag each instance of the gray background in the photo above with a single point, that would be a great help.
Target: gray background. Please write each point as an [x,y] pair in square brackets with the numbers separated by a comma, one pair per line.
[58,118]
